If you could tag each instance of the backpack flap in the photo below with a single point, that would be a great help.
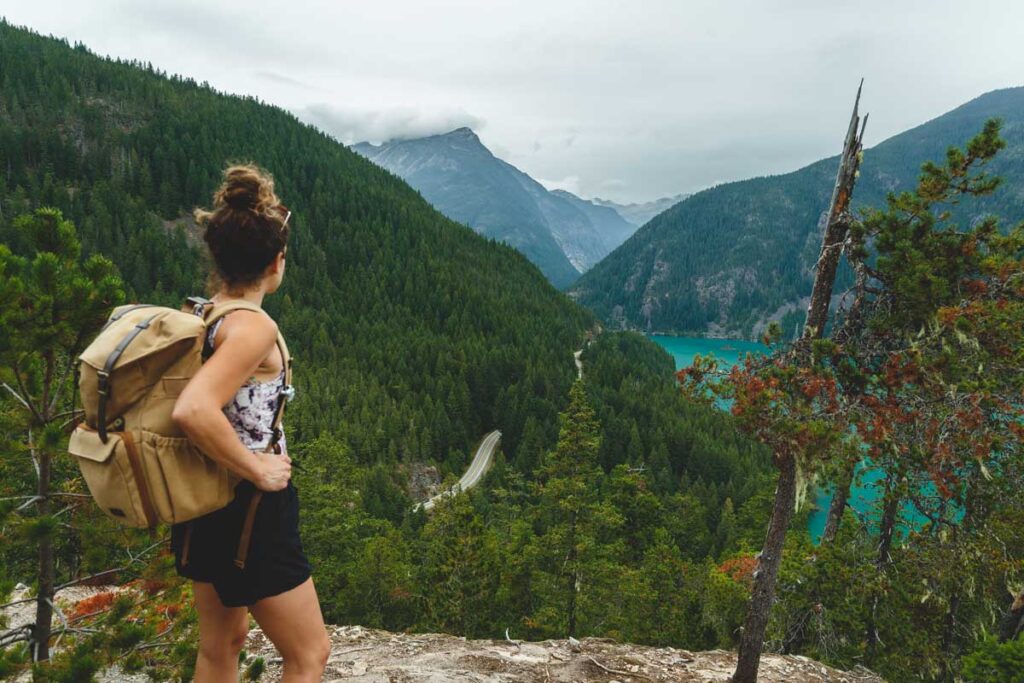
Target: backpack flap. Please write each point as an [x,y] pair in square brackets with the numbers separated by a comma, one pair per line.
[86,444]
[130,355]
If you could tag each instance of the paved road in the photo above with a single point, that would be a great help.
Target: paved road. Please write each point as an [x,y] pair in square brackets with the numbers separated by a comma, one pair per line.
[484,455]
[477,469]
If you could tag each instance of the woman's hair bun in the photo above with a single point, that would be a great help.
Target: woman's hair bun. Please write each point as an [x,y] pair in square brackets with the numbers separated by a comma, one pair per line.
[247,187]
[246,230]
[241,196]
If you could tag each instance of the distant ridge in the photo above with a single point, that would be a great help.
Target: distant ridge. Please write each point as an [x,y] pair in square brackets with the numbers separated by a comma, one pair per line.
[638,214]
[561,233]
[725,261]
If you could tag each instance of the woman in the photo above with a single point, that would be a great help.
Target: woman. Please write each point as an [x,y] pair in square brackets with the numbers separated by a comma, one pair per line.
[227,410]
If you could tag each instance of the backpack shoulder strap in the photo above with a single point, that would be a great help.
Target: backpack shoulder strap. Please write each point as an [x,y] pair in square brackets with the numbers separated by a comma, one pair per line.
[213,312]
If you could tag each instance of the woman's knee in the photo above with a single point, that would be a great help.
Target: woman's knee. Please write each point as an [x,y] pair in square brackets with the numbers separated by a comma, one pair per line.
[310,656]
[324,651]
[227,642]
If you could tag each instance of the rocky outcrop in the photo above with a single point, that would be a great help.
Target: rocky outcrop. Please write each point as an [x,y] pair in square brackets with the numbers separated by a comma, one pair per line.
[370,656]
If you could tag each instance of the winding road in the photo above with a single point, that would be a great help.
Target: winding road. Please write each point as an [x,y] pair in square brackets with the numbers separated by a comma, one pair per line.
[483,458]
[477,469]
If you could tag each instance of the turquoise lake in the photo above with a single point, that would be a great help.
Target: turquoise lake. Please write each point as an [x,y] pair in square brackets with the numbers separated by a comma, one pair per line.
[863,493]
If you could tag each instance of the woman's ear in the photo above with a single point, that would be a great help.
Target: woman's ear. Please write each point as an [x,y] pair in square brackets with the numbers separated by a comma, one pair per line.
[277,265]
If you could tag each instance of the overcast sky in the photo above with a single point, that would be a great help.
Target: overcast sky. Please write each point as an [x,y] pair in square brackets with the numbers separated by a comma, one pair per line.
[628,100]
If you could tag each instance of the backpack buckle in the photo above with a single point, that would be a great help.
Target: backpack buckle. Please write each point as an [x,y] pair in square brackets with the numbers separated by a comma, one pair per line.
[198,304]
[103,382]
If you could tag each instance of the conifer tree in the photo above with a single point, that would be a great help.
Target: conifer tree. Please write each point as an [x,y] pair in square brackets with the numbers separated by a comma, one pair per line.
[572,555]
[51,303]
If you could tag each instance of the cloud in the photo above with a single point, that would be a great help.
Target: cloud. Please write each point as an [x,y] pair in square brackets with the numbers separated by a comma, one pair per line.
[612,184]
[569,184]
[350,124]
[286,80]
[667,96]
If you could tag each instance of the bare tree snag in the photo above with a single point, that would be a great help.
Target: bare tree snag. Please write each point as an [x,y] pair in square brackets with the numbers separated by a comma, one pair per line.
[837,225]
[763,595]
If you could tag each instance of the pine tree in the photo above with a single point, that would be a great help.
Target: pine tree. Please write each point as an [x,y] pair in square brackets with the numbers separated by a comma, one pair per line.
[572,557]
[51,303]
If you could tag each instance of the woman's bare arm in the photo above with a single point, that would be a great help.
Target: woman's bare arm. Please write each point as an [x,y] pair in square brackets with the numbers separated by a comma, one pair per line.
[198,411]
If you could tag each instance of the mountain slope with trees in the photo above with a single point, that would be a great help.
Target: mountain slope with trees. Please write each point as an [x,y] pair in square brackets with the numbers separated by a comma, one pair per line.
[728,259]
[466,182]
[412,335]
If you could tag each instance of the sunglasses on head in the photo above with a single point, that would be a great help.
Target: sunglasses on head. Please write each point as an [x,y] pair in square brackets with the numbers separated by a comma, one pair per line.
[287,214]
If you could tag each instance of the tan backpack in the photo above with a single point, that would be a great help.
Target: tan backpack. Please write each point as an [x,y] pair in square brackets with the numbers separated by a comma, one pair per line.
[140,467]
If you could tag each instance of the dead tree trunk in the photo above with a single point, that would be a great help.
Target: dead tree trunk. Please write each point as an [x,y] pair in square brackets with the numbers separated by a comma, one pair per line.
[44,604]
[763,595]
[1013,621]
[836,226]
[886,529]
[759,610]
[840,496]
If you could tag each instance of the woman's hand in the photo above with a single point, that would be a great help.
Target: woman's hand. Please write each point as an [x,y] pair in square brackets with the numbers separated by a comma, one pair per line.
[273,472]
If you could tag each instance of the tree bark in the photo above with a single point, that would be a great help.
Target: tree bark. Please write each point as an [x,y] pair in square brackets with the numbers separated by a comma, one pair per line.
[837,223]
[752,638]
[1013,621]
[573,577]
[838,505]
[44,597]
[836,228]
[887,526]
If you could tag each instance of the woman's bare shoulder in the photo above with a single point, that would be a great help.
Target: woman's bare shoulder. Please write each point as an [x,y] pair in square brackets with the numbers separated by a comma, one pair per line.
[257,331]
[255,326]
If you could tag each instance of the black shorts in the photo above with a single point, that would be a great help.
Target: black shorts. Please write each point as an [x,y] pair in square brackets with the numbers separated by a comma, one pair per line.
[275,562]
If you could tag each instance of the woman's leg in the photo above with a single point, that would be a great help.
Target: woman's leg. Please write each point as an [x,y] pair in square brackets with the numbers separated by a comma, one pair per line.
[222,632]
[293,622]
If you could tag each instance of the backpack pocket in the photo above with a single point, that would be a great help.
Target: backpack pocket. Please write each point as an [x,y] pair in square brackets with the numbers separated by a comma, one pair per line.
[185,482]
[114,473]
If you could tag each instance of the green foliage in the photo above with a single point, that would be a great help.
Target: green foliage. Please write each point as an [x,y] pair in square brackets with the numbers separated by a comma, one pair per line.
[573,569]
[254,669]
[760,238]
[995,662]
[923,375]
[413,336]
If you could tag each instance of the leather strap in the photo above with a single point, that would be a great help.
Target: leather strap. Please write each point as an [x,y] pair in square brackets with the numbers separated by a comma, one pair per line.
[117,316]
[246,537]
[185,545]
[140,478]
[250,514]
[103,383]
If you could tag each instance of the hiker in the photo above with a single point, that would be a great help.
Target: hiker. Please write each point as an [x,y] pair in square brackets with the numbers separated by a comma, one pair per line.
[229,410]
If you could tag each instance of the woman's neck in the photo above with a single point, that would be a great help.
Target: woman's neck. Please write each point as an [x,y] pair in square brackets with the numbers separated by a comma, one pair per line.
[254,295]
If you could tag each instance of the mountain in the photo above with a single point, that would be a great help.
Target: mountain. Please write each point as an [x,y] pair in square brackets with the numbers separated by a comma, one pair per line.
[638,214]
[406,326]
[609,226]
[462,178]
[412,336]
[728,259]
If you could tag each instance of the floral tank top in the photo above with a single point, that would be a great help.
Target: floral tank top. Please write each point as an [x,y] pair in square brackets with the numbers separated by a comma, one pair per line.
[251,411]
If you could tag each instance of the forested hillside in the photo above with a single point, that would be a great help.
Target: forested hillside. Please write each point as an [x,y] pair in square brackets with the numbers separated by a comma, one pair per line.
[412,336]
[726,260]
[419,333]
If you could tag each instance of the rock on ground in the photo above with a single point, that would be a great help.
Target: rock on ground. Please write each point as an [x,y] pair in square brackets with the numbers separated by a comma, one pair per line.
[370,656]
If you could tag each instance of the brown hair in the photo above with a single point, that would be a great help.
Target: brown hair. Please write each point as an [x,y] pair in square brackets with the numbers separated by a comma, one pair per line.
[246,229]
